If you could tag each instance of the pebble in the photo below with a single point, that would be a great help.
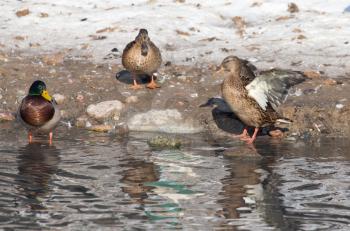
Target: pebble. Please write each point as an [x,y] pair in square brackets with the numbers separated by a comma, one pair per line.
[132,99]
[330,82]
[20,95]
[80,98]
[312,74]
[6,116]
[100,128]
[339,106]
[122,129]
[81,122]
[59,98]
[106,109]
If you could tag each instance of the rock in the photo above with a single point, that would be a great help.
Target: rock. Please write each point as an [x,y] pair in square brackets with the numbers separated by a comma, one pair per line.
[106,109]
[64,114]
[20,95]
[161,142]
[242,152]
[277,133]
[132,99]
[170,121]
[80,98]
[122,129]
[22,13]
[312,74]
[330,82]
[100,128]
[3,57]
[53,59]
[6,116]
[59,98]
[81,121]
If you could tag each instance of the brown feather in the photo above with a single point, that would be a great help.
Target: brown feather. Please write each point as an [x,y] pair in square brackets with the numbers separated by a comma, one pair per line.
[141,63]
[36,111]
[236,96]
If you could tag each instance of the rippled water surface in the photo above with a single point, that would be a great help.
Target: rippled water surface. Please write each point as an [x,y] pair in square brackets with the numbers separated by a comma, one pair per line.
[91,181]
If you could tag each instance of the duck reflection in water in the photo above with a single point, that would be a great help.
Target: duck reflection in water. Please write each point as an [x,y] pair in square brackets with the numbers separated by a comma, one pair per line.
[137,173]
[37,163]
[244,166]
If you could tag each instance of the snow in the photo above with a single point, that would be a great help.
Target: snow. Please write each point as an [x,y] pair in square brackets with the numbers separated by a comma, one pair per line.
[190,33]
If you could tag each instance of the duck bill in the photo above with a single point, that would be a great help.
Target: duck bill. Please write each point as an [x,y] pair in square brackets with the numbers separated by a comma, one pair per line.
[46,95]
[218,70]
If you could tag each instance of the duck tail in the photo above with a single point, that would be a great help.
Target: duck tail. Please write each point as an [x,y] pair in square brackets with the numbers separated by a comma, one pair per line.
[284,120]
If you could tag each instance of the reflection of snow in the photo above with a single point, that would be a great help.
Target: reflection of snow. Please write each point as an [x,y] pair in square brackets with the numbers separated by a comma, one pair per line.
[314,38]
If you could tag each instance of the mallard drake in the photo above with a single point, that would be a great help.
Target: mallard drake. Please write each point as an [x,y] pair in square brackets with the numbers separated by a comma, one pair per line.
[141,56]
[38,111]
[255,102]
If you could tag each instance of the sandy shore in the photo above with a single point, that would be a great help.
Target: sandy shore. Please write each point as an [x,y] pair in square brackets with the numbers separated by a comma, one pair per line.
[319,106]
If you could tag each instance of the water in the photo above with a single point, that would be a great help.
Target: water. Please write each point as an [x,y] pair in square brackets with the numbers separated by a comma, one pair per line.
[92,181]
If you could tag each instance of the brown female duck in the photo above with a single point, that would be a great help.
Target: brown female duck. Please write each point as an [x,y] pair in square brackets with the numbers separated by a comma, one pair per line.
[141,56]
[38,112]
[255,101]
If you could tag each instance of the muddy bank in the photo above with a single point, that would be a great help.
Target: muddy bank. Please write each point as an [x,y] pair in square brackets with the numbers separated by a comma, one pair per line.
[318,106]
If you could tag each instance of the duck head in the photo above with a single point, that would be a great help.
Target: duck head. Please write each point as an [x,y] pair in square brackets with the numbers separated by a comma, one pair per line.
[230,64]
[143,35]
[143,39]
[38,87]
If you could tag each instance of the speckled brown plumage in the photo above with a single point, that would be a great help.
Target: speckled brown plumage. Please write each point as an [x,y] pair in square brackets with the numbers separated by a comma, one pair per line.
[142,56]
[36,111]
[246,108]
[252,99]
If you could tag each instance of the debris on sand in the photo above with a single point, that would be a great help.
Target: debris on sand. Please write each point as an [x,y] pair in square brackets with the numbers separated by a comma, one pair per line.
[293,8]
[240,25]
[22,13]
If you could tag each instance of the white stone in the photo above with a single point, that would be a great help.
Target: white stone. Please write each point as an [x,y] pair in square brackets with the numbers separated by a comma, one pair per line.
[339,106]
[169,121]
[106,109]
[132,99]
[59,98]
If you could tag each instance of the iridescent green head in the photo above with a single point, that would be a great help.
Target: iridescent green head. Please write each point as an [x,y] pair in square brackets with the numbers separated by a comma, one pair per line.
[38,87]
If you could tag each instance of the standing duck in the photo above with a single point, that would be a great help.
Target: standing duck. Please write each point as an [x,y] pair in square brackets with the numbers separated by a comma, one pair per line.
[255,102]
[141,56]
[38,112]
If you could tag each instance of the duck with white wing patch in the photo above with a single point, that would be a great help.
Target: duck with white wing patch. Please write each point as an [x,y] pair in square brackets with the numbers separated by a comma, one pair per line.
[254,100]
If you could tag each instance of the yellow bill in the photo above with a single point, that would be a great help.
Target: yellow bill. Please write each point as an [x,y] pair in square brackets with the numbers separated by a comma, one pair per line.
[46,95]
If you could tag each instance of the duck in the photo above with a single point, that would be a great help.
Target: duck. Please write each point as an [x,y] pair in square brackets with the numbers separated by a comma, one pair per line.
[38,111]
[255,100]
[142,56]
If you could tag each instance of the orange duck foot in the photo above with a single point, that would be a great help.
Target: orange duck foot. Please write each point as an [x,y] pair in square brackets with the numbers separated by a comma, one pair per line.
[135,86]
[30,137]
[242,136]
[152,84]
[250,140]
[50,137]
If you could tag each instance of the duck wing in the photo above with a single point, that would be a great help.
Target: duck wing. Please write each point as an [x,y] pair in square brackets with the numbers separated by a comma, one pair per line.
[271,87]
[248,71]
